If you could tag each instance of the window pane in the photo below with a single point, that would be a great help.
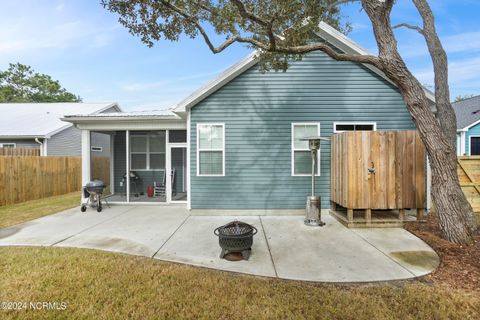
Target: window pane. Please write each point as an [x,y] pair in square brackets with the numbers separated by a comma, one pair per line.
[138,144]
[157,160]
[345,127]
[302,162]
[139,161]
[211,162]
[475,146]
[210,137]
[303,131]
[204,136]
[217,137]
[157,143]
[176,136]
[364,127]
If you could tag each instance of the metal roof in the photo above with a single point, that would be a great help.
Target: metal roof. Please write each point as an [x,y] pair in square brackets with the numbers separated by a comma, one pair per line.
[31,120]
[467,112]
[143,114]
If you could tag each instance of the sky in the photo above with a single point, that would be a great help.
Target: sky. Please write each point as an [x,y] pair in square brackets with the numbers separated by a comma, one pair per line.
[82,45]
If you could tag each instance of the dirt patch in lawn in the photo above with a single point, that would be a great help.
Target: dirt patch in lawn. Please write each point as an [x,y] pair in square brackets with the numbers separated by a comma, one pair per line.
[459,265]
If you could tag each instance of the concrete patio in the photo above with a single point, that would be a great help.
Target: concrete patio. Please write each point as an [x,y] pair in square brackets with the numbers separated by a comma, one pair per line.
[283,247]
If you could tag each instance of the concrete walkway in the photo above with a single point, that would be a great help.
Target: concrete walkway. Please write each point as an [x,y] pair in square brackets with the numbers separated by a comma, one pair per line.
[284,247]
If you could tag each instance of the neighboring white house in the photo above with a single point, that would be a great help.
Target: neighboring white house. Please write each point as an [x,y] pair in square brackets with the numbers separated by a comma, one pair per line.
[38,125]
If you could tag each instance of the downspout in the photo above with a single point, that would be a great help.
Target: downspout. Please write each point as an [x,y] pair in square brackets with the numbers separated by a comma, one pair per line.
[41,146]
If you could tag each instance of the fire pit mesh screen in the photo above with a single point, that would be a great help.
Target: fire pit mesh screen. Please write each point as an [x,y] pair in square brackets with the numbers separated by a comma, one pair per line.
[236,236]
[235,228]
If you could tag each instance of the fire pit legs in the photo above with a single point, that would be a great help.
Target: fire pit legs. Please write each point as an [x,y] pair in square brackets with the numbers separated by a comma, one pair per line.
[235,237]
[245,253]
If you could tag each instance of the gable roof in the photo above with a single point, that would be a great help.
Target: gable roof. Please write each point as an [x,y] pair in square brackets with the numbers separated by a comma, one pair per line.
[42,120]
[467,112]
[326,32]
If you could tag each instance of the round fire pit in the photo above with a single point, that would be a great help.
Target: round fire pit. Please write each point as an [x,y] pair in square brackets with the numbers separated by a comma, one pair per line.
[236,237]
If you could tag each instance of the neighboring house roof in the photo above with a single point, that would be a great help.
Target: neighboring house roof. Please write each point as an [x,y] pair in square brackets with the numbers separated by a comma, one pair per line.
[326,32]
[42,120]
[467,112]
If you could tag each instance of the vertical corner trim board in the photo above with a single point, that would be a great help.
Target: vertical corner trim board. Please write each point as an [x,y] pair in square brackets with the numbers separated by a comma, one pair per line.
[378,170]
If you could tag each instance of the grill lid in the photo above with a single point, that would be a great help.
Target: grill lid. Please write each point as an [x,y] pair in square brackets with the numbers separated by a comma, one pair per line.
[95,184]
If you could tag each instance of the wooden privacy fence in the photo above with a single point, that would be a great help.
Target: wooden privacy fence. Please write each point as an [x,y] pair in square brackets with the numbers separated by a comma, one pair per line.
[378,170]
[19,152]
[468,169]
[101,170]
[28,177]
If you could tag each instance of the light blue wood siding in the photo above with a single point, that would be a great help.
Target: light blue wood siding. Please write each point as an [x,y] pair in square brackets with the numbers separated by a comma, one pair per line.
[258,109]
[473,131]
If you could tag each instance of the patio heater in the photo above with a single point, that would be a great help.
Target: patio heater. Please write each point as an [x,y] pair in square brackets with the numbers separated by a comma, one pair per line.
[312,209]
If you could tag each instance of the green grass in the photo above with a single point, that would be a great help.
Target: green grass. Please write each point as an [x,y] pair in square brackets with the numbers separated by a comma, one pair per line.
[25,211]
[100,285]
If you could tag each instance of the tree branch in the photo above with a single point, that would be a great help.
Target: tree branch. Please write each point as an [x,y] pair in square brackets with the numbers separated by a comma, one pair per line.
[409,26]
[267,25]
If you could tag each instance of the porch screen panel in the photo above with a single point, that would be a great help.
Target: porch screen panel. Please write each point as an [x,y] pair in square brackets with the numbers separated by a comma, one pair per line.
[157,151]
[210,149]
[138,152]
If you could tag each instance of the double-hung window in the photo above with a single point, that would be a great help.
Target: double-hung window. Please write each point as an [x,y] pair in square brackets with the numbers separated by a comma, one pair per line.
[210,149]
[301,154]
[147,151]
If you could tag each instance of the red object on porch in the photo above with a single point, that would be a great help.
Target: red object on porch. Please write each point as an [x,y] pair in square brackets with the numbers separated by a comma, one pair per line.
[150,191]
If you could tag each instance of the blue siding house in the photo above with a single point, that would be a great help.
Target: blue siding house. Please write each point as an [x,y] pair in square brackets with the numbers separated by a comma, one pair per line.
[468,126]
[236,142]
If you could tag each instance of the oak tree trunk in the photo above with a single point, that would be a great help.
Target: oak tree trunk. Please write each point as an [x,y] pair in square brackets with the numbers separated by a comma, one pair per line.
[452,207]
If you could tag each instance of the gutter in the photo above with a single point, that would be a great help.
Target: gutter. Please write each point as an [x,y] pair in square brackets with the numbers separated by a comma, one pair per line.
[41,146]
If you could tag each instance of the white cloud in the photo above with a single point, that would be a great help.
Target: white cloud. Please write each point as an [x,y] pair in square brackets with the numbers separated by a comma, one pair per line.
[144,86]
[462,74]
[26,34]
[466,42]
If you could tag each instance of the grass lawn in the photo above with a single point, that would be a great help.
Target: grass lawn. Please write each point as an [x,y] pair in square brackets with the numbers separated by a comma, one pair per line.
[25,211]
[101,285]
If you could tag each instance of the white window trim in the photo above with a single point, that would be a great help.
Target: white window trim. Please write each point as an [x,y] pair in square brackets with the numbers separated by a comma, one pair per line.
[352,123]
[222,150]
[147,153]
[292,160]
[8,143]
[470,143]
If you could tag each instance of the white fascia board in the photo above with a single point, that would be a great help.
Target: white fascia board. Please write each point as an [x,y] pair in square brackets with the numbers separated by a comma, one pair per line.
[22,136]
[222,79]
[469,126]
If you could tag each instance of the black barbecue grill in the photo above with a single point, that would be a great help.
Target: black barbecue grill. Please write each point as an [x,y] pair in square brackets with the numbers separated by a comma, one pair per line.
[236,237]
[93,192]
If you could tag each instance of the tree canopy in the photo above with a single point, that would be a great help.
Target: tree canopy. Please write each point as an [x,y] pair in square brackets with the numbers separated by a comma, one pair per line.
[20,83]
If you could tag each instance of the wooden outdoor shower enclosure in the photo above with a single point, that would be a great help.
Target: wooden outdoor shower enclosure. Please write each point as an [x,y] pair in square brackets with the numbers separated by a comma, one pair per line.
[378,170]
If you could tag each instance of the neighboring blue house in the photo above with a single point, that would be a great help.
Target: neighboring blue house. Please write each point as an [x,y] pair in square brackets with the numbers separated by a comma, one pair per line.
[468,126]
[235,143]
